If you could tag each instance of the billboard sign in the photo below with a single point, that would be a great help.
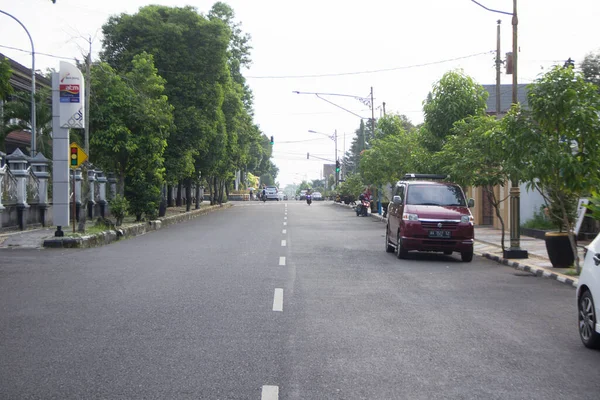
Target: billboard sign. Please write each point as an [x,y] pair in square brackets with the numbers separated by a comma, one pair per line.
[71,88]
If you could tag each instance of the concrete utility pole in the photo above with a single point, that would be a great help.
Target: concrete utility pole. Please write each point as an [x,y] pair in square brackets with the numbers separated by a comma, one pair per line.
[498,62]
[33,122]
[88,62]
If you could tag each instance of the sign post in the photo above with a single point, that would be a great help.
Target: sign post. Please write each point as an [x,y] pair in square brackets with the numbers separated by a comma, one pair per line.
[68,106]
[77,157]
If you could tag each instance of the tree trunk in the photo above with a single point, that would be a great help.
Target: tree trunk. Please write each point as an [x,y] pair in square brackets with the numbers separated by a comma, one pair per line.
[178,202]
[215,191]
[188,194]
[198,196]
[170,200]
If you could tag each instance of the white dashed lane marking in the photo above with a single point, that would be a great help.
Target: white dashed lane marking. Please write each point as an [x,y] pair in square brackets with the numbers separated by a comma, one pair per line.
[284,231]
[283,243]
[281,260]
[278,300]
[284,217]
[285,223]
[270,392]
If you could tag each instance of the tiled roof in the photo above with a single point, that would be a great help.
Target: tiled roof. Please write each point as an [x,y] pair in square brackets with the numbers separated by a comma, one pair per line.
[19,137]
[505,97]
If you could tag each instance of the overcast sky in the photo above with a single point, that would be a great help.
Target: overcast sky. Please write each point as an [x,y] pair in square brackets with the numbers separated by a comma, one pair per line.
[398,47]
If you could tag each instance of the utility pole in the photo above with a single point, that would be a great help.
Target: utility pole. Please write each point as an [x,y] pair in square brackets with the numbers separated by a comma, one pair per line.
[372,114]
[515,250]
[336,159]
[498,62]
[88,62]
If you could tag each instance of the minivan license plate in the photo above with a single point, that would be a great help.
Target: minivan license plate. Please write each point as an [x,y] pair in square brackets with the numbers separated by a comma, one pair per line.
[439,234]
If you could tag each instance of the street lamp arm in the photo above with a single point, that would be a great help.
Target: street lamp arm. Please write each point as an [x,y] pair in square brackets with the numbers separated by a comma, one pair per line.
[33,122]
[345,109]
[489,9]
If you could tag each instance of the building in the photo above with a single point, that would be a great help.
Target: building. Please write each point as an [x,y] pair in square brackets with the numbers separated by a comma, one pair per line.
[20,81]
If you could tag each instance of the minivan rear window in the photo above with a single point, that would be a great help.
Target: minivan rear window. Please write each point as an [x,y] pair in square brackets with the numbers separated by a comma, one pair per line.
[435,195]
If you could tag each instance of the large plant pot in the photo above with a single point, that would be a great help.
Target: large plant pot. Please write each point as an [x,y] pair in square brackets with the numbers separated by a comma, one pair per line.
[559,249]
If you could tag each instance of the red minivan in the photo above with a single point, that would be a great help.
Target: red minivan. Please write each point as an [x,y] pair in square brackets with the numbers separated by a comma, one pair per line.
[429,214]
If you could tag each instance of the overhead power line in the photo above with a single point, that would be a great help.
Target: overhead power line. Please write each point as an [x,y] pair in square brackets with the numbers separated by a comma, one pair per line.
[370,71]
[37,53]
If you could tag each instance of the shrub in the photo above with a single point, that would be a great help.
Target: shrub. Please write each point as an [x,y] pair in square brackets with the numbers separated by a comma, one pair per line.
[119,207]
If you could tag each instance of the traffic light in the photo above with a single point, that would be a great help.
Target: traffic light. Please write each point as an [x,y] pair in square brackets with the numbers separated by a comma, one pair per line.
[74,160]
[272,141]
[337,166]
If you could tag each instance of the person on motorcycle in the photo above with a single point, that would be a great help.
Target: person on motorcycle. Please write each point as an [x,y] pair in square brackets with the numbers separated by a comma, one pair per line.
[264,192]
[308,196]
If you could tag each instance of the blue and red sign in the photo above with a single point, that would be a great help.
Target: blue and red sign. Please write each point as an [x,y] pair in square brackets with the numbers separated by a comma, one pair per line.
[69,93]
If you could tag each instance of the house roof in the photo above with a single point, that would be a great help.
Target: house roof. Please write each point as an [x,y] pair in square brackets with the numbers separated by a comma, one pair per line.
[19,137]
[21,77]
[505,97]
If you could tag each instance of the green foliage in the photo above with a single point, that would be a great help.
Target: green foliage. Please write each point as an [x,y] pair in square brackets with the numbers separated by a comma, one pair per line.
[557,143]
[590,68]
[394,154]
[5,74]
[131,120]
[454,97]
[539,221]
[352,187]
[119,207]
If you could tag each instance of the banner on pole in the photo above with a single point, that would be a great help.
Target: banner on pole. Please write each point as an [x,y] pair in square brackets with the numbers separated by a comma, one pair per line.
[72,103]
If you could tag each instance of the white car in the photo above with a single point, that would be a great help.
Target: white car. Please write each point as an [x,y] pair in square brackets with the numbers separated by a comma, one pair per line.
[272,193]
[588,296]
[317,196]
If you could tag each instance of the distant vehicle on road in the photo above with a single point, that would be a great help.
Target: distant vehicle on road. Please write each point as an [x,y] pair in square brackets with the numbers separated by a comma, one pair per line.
[317,196]
[272,193]
[588,296]
[302,195]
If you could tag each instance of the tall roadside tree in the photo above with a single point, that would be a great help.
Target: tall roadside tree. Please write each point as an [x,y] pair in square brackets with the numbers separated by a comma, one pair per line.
[190,52]
[395,152]
[474,155]
[590,68]
[559,138]
[454,97]
[130,123]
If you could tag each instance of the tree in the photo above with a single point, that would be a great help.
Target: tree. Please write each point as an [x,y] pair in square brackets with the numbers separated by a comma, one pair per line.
[559,139]
[454,97]
[5,74]
[474,155]
[130,123]
[590,68]
[190,52]
[19,110]
[394,153]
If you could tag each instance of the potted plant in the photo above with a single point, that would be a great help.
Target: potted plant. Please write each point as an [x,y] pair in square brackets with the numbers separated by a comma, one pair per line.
[558,244]
[556,144]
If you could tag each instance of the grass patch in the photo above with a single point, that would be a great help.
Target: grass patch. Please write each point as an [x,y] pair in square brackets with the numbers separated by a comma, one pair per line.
[571,272]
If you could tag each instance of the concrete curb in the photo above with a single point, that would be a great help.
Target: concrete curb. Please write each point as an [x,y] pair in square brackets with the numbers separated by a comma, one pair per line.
[106,237]
[535,270]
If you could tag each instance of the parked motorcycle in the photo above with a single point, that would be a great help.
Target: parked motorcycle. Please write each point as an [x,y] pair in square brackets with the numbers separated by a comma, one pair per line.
[308,199]
[362,208]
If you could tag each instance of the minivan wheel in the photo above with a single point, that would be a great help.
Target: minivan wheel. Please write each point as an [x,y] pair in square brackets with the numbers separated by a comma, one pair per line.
[388,247]
[587,321]
[400,252]
[467,256]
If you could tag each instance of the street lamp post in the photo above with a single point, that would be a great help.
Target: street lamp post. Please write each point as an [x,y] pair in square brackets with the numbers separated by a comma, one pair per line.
[515,250]
[33,127]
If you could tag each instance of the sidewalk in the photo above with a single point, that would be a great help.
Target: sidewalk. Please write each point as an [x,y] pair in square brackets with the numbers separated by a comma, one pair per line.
[40,238]
[488,244]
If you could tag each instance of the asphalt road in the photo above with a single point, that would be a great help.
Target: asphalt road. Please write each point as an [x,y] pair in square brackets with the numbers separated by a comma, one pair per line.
[264,301]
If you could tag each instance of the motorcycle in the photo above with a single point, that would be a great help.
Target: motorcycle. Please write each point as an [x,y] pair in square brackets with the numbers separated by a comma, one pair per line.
[308,199]
[264,197]
[362,208]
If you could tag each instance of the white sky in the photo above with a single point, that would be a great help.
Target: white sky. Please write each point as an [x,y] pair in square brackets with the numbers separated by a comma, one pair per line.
[310,37]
